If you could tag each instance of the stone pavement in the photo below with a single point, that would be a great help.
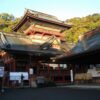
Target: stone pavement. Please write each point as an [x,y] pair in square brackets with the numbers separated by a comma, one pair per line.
[88,86]
[51,93]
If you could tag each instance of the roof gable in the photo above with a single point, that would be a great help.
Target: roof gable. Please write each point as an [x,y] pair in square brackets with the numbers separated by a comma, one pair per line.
[30,14]
[20,43]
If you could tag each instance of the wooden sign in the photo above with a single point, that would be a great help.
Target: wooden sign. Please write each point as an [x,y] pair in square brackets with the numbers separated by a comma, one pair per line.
[1,71]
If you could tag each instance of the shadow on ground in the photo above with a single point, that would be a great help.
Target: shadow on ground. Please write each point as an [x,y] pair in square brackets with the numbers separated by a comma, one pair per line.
[50,94]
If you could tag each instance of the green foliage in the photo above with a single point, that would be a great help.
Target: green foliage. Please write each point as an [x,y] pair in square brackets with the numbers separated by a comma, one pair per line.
[7,22]
[6,17]
[81,26]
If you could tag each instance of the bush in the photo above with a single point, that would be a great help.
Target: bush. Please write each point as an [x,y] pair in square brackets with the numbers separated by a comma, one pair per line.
[51,84]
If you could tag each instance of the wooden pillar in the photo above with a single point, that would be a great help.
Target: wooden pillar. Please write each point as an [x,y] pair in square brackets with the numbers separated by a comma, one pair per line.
[42,34]
[14,65]
[63,74]
[59,70]
[74,71]
[33,32]
[27,68]
[59,73]
[30,66]
[48,69]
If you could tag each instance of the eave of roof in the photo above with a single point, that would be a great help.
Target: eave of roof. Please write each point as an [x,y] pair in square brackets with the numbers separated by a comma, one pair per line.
[22,44]
[87,57]
[28,15]
[81,54]
[91,33]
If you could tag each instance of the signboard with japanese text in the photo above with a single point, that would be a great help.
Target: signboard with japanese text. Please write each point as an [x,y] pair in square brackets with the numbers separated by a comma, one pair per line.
[17,75]
[1,71]
[31,71]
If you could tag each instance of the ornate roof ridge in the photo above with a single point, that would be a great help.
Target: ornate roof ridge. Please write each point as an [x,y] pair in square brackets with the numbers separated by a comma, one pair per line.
[43,15]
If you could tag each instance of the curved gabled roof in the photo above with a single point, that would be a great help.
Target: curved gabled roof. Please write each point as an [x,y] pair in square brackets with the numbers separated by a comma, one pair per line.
[40,16]
[23,44]
[90,41]
[85,51]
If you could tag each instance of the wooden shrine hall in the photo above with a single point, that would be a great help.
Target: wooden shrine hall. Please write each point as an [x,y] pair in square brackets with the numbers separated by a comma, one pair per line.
[86,51]
[30,46]
[40,26]
[84,58]
[19,54]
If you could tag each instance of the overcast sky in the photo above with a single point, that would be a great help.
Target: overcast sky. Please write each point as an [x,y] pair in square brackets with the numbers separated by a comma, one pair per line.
[63,9]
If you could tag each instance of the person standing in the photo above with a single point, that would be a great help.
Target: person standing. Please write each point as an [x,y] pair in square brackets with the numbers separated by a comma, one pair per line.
[22,79]
[1,80]
[0,85]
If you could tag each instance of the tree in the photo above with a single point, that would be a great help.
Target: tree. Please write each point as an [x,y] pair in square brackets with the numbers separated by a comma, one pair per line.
[81,26]
[7,22]
[7,17]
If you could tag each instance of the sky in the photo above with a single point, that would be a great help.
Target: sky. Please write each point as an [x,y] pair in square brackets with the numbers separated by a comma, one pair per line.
[63,9]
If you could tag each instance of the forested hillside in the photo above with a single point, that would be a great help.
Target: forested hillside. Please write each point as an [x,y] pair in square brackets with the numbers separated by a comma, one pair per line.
[80,26]
[7,22]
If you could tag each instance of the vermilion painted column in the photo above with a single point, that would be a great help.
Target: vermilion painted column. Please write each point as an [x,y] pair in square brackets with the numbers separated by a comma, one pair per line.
[27,68]
[59,72]
[14,64]
[48,70]
[63,78]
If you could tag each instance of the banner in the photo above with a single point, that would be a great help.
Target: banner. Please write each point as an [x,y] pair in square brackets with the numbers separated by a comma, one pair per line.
[17,75]
[31,71]
[1,71]
[71,75]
